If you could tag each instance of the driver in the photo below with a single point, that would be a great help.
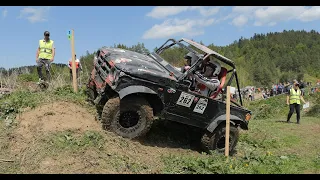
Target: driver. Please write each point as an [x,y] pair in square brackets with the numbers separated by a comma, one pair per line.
[186,67]
[208,81]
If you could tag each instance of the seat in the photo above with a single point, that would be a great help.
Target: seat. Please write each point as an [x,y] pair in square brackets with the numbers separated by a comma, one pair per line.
[222,77]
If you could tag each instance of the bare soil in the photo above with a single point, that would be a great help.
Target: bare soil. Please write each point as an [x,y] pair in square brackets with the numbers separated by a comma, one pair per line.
[118,155]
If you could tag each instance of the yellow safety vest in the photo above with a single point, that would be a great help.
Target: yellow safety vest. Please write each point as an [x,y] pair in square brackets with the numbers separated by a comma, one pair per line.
[45,49]
[295,96]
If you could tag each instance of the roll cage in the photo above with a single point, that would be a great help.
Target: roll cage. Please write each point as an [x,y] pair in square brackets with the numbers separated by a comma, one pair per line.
[199,59]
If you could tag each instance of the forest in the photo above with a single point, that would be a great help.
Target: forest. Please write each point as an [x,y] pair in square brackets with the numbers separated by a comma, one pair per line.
[261,60]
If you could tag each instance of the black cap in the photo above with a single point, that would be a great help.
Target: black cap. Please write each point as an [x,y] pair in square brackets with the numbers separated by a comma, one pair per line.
[46,33]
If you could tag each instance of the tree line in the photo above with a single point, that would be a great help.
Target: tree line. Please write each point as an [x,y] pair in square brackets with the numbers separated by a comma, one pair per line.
[261,60]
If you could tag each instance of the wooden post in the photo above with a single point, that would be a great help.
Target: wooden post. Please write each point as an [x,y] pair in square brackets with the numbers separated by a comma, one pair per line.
[74,73]
[227,122]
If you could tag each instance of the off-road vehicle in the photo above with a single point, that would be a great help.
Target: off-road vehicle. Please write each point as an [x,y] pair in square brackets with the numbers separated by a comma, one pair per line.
[131,88]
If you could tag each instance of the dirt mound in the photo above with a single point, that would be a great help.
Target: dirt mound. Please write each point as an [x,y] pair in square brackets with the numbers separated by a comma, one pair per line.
[40,144]
[58,116]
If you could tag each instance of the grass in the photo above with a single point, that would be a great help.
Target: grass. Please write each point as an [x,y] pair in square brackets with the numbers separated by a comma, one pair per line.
[277,148]
[69,141]
[20,100]
[276,106]
[270,146]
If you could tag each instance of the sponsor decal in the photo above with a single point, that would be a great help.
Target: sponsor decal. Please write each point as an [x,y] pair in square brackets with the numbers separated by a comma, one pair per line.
[201,105]
[171,91]
[122,60]
[185,99]
[148,71]
[119,50]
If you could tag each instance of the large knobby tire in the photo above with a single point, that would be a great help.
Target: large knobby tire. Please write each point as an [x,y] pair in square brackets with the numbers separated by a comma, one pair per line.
[215,141]
[132,119]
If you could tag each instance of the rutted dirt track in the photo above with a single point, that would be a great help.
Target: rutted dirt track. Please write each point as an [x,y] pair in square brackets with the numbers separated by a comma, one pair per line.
[33,150]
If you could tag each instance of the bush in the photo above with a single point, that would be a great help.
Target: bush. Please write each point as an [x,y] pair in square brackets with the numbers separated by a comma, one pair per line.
[269,108]
[27,77]
[315,110]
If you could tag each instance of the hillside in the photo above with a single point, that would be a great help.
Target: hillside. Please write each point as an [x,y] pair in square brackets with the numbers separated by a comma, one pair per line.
[261,60]
[275,57]
[55,131]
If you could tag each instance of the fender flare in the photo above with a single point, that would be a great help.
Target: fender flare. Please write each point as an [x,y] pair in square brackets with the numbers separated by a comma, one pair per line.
[134,89]
[215,123]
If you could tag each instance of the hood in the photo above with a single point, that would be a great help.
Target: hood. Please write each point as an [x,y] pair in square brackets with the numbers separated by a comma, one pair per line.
[136,64]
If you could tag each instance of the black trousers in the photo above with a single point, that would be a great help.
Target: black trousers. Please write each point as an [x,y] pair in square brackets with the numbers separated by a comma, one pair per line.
[77,74]
[292,107]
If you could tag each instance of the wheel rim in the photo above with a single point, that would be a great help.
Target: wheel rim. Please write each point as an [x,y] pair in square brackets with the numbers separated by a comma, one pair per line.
[129,119]
[222,141]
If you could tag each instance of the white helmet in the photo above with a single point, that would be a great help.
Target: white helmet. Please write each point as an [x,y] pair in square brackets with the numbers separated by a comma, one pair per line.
[217,68]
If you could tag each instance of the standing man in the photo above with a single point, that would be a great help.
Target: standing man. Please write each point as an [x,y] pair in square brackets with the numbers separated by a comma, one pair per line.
[293,100]
[45,55]
[78,65]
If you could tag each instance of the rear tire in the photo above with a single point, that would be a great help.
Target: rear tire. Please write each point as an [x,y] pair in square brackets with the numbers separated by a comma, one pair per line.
[216,139]
[132,119]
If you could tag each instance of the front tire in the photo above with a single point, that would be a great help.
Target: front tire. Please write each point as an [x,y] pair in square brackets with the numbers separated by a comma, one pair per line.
[216,140]
[131,118]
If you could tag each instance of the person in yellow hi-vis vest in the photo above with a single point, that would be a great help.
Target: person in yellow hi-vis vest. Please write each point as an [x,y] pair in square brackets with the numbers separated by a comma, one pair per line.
[45,55]
[293,100]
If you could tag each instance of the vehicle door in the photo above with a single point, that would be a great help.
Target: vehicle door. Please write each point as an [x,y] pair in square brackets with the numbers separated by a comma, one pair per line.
[183,105]
[204,108]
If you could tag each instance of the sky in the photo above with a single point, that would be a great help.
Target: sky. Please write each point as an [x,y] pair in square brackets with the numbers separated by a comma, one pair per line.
[21,28]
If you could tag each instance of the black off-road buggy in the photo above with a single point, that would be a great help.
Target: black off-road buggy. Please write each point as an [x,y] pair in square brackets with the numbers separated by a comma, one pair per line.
[130,88]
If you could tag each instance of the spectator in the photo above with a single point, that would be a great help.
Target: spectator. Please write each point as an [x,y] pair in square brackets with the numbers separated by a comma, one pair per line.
[45,55]
[274,89]
[293,100]
[78,66]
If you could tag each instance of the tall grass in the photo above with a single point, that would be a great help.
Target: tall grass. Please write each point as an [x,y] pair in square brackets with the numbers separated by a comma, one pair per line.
[9,81]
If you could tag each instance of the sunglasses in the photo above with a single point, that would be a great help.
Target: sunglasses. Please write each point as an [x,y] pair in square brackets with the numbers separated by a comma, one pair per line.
[47,35]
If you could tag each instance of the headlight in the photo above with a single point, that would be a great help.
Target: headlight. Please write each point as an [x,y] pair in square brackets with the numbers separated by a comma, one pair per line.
[248,116]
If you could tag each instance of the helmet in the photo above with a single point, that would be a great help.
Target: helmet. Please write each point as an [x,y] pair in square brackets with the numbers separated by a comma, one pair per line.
[215,66]
[188,56]
[217,69]
[192,57]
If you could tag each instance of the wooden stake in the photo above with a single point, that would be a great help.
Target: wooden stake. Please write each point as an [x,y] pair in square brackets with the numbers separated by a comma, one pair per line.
[227,122]
[74,73]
